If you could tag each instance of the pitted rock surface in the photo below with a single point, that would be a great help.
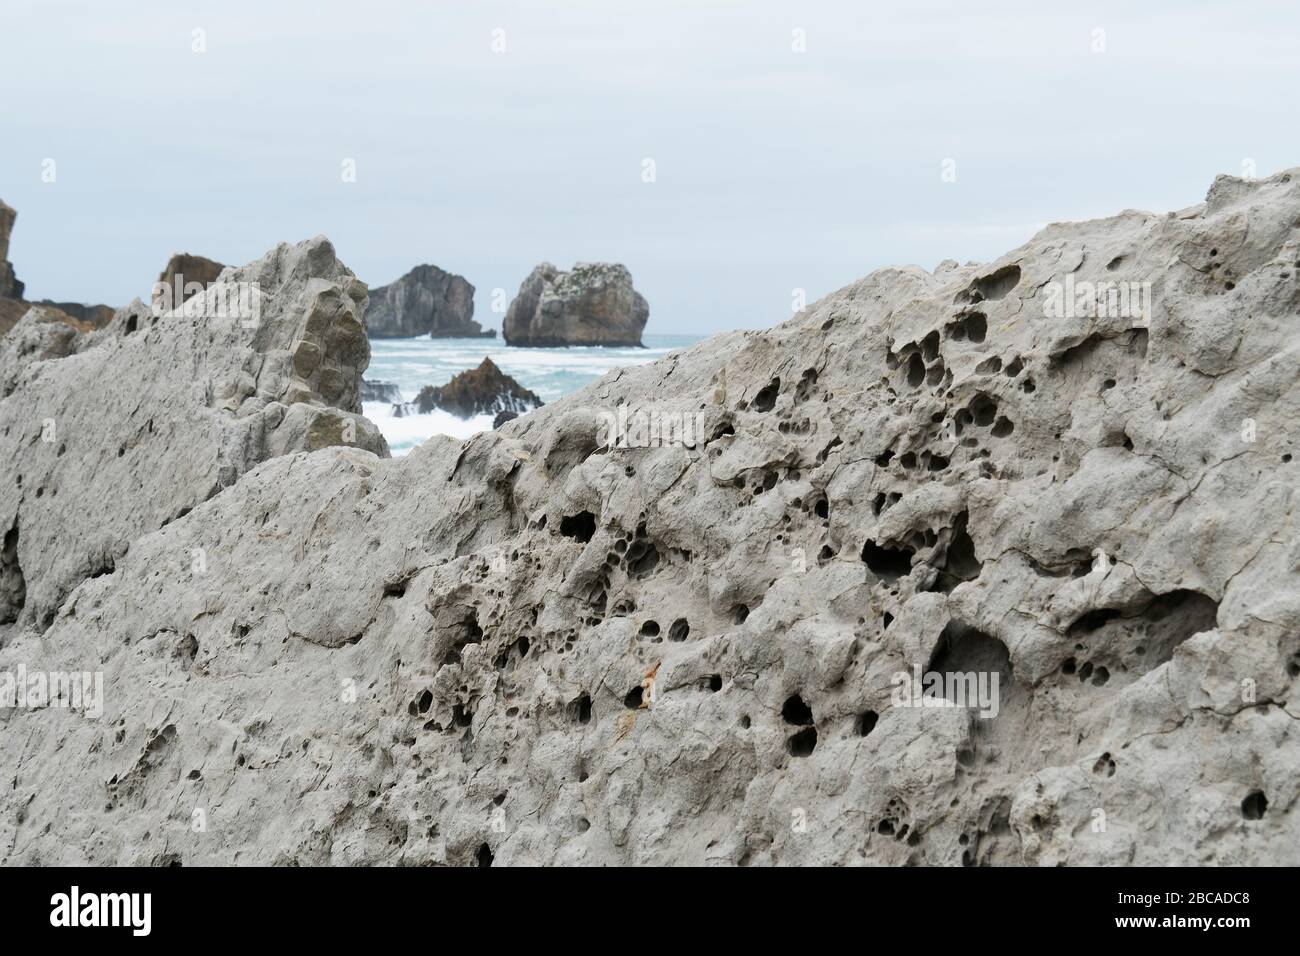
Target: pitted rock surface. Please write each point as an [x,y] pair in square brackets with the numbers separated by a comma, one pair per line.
[534,647]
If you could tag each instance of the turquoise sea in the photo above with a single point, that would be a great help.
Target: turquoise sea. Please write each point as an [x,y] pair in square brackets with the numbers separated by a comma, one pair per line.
[412,363]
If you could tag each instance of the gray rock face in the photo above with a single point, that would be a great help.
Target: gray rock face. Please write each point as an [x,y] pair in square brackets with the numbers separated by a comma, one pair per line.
[42,334]
[94,316]
[425,301]
[594,304]
[130,427]
[673,618]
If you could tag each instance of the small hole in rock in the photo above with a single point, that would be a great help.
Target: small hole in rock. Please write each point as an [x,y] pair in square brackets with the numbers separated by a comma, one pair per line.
[1253,807]
[803,743]
[580,527]
[795,711]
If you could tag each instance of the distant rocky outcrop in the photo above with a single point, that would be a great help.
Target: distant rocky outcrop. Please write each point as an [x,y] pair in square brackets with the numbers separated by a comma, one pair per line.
[10,287]
[485,390]
[12,305]
[503,417]
[183,276]
[372,391]
[593,304]
[425,301]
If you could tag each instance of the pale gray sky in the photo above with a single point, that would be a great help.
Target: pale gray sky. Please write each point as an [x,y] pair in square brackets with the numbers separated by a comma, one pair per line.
[775,169]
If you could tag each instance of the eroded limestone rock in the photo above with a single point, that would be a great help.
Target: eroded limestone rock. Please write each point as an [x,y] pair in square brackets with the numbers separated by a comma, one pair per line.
[107,436]
[544,646]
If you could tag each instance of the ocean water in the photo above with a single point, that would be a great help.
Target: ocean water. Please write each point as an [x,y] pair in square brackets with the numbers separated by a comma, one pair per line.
[412,363]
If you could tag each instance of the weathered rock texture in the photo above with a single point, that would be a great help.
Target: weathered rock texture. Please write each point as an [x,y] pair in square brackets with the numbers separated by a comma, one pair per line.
[485,390]
[43,333]
[536,648]
[92,316]
[425,301]
[13,310]
[131,427]
[594,304]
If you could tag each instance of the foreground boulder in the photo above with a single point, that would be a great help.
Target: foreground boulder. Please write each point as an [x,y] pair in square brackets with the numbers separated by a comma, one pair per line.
[594,304]
[425,301]
[12,312]
[485,390]
[43,333]
[579,640]
[108,436]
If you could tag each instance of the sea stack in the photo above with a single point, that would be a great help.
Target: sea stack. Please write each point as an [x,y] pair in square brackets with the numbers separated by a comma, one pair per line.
[592,304]
[426,301]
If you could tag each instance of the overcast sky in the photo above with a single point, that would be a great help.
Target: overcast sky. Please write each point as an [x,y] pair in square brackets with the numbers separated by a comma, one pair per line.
[774,169]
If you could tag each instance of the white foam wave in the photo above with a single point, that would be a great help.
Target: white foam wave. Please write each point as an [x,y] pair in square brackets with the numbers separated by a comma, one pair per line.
[408,431]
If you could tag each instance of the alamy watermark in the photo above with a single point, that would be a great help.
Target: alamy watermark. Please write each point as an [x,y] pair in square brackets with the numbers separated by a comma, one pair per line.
[237,301]
[1094,300]
[625,427]
[977,690]
[75,908]
[77,690]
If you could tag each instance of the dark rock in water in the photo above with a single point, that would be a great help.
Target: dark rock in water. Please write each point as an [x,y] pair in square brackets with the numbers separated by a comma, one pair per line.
[380,392]
[503,417]
[485,390]
[425,301]
[594,304]
[177,282]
